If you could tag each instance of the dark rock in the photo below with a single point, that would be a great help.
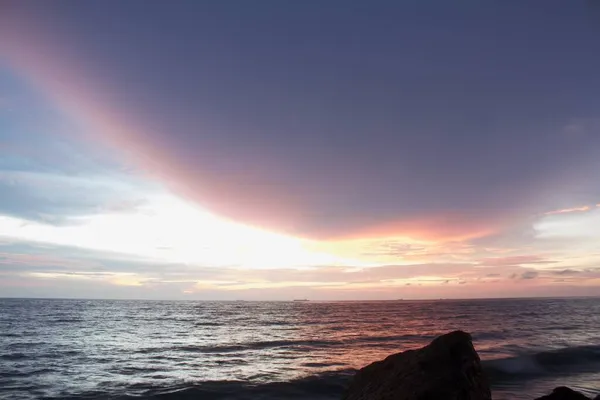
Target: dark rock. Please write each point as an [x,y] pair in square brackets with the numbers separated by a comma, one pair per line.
[447,369]
[564,393]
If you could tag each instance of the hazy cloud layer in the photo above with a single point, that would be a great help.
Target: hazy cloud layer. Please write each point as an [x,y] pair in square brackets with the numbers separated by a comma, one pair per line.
[40,270]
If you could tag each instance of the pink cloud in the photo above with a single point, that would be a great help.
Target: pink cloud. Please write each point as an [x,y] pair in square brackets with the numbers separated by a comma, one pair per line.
[515,260]
[239,189]
[569,210]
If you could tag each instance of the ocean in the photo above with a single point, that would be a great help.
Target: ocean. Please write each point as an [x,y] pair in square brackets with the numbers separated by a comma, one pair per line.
[117,349]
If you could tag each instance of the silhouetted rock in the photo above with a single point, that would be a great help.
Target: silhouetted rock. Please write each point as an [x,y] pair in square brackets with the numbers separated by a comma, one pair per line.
[564,393]
[447,369]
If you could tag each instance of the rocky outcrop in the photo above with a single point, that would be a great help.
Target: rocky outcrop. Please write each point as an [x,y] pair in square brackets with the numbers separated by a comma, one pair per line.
[447,369]
[564,393]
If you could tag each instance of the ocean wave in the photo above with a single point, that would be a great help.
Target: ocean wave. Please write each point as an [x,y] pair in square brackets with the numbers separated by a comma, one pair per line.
[266,344]
[136,370]
[326,386]
[25,373]
[168,350]
[566,361]
[10,335]
[208,323]
[13,356]
[66,320]
[329,385]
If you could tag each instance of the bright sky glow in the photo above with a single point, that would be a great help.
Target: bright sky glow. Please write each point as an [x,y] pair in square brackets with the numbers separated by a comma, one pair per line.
[170,230]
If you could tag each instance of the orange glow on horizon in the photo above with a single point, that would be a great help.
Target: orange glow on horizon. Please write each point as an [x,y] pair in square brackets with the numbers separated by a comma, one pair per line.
[431,229]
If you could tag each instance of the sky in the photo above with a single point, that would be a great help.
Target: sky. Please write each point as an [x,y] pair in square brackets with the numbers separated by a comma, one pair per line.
[329,150]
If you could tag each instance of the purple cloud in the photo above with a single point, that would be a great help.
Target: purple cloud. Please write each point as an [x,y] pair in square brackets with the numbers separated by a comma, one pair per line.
[338,129]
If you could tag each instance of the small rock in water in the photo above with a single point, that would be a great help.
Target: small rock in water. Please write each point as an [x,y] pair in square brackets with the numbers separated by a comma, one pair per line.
[565,393]
[447,369]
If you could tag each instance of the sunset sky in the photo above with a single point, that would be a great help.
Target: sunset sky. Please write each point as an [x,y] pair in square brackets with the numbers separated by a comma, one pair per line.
[299,149]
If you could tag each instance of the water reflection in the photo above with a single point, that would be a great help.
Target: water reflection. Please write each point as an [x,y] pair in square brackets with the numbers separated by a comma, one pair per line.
[61,347]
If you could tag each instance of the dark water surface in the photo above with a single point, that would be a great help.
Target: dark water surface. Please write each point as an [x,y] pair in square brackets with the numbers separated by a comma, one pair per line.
[104,349]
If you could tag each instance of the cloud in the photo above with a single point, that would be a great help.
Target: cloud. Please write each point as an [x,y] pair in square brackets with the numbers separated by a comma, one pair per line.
[61,175]
[17,262]
[529,275]
[438,227]
[589,276]
[349,275]
[566,272]
[57,262]
[58,199]
[49,270]
[515,260]
[570,210]
[382,251]
[278,145]
[393,248]
[570,226]
[524,274]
